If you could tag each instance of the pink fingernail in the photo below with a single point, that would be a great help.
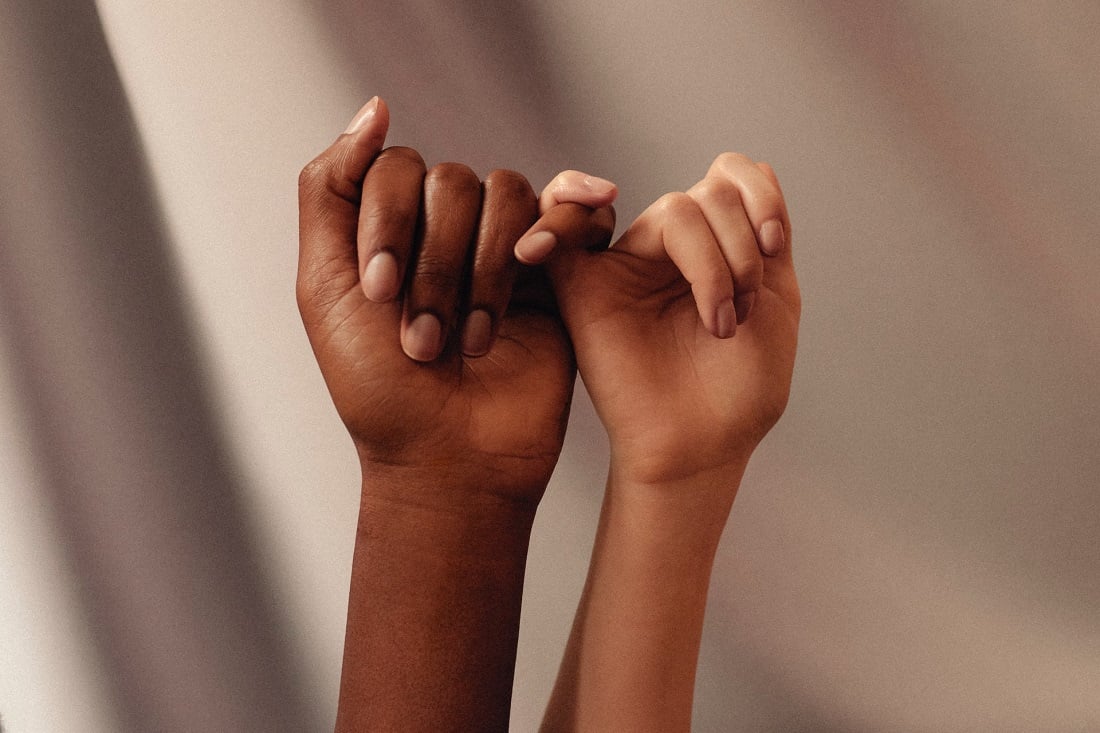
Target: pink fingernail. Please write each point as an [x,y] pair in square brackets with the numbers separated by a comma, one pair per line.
[725,319]
[598,185]
[533,249]
[421,340]
[380,282]
[772,238]
[476,333]
[363,116]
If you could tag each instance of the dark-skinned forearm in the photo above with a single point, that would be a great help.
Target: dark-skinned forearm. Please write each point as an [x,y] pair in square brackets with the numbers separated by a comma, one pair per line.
[434,609]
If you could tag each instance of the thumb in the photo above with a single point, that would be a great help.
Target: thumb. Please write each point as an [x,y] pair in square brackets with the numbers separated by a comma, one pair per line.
[329,190]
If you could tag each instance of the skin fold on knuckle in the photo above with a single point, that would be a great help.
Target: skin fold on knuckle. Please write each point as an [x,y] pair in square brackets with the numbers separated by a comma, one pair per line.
[675,206]
[398,155]
[453,178]
[565,182]
[392,213]
[716,193]
[769,204]
[748,273]
[492,269]
[713,286]
[436,275]
[508,185]
[313,179]
[730,161]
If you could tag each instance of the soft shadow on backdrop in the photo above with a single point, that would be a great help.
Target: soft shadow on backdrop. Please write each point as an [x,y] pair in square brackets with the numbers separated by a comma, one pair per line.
[914,547]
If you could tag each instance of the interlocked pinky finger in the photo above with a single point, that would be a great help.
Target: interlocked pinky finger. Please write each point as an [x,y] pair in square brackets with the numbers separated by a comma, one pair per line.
[567,227]
[576,187]
[563,221]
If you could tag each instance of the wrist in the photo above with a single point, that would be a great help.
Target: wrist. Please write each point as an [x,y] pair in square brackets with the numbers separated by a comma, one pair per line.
[663,452]
[447,522]
[679,505]
[455,487]
[433,614]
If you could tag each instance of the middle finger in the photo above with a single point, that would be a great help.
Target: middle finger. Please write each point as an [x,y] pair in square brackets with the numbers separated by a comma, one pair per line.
[452,202]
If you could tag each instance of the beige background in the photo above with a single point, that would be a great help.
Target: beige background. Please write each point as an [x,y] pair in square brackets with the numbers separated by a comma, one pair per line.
[915,547]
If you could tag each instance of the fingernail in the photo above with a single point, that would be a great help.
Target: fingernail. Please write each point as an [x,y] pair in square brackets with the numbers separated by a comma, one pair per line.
[476,333]
[772,238]
[743,305]
[725,319]
[421,339]
[380,282]
[598,185]
[363,116]
[535,248]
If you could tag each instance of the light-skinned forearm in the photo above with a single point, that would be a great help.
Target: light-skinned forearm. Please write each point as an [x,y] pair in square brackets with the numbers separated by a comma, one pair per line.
[631,657]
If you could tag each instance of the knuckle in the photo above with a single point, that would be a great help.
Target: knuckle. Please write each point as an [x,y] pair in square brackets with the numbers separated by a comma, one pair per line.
[509,184]
[315,175]
[714,282]
[675,205]
[748,272]
[399,155]
[731,160]
[391,213]
[770,203]
[453,177]
[567,181]
[717,192]
[438,274]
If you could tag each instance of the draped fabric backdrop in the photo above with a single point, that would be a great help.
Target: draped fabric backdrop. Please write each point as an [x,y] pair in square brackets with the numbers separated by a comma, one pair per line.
[915,548]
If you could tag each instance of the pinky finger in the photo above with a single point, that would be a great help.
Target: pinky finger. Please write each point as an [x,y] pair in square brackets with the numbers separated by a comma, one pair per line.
[589,216]
[568,226]
[576,187]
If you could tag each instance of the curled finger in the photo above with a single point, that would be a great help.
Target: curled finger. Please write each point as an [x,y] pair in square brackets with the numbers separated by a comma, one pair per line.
[578,188]
[388,218]
[569,226]
[720,201]
[452,203]
[507,208]
[761,197]
[675,229]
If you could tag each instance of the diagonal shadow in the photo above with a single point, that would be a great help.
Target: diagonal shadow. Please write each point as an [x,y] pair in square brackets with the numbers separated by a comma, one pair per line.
[144,496]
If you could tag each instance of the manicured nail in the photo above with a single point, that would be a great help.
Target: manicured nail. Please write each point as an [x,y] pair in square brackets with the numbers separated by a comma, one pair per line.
[421,339]
[598,185]
[725,319]
[476,333]
[363,116]
[772,238]
[743,305]
[533,249]
[380,282]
